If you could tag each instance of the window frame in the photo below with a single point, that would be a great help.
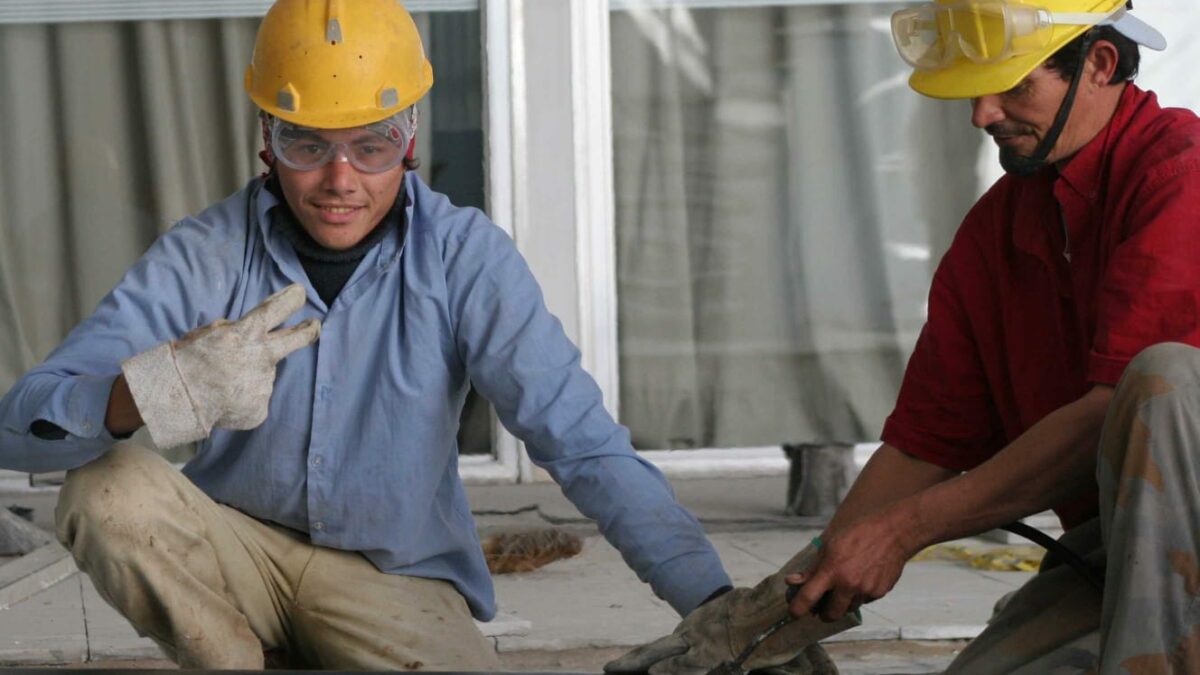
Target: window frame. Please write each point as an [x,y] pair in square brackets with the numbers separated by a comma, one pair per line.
[66,11]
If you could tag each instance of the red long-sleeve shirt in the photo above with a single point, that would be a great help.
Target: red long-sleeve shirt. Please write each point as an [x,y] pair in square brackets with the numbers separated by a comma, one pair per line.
[1016,330]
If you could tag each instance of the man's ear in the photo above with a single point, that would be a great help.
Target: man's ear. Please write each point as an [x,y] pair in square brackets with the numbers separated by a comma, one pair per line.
[1102,60]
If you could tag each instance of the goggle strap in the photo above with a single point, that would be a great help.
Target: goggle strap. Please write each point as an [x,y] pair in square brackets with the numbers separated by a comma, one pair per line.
[1064,112]
[1080,18]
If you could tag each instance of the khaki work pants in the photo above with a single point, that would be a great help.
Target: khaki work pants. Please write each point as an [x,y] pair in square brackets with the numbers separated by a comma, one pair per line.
[1147,541]
[216,588]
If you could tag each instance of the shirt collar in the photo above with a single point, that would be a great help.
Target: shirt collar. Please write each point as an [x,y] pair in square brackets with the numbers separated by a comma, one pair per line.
[1084,173]
[280,250]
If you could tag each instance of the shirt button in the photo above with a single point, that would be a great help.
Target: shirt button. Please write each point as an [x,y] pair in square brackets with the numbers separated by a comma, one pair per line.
[318,526]
[316,461]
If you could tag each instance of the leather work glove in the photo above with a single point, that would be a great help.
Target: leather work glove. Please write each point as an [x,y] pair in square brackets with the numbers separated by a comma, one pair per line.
[221,375]
[720,629]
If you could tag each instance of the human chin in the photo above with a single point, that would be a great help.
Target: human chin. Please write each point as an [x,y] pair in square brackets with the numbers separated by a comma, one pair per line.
[1017,164]
[336,236]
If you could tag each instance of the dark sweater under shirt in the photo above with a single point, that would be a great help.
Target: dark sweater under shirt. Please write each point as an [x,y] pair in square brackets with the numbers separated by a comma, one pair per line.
[329,270]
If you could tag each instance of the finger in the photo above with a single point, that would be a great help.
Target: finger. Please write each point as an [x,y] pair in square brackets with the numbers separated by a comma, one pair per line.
[273,311]
[284,341]
[835,605]
[809,595]
[197,333]
[640,659]
[857,604]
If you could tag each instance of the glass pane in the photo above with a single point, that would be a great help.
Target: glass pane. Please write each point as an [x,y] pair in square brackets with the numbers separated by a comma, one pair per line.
[454,166]
[115,130]
[781,200]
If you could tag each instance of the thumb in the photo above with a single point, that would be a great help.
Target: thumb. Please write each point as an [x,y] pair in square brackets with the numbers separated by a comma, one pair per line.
[640,659]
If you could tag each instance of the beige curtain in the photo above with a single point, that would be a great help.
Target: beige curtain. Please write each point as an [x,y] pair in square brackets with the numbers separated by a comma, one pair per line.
[112,132]
[782,198]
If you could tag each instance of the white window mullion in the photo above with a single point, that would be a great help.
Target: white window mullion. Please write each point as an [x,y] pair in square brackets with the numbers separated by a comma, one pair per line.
[591,105]
[505,176]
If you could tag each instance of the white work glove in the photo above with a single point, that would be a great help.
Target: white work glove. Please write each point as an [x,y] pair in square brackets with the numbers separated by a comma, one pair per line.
[221,375]
[718,631]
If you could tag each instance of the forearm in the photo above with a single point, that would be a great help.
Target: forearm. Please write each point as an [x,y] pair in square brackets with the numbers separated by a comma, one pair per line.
[122,417]
[638,515]
[889,476]
[1052,461]
[51,422]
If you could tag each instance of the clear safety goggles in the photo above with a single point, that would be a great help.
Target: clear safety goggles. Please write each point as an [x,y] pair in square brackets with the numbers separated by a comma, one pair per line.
[371,148]
[933,35]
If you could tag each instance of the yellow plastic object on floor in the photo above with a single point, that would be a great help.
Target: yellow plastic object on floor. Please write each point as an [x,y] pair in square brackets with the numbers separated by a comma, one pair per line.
[1000,559]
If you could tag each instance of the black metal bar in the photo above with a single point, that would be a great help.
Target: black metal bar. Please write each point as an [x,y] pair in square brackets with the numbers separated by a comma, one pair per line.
[1053,546]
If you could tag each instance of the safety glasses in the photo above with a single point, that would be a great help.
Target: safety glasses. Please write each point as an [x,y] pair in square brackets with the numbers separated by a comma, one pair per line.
[933,35]
[372,148]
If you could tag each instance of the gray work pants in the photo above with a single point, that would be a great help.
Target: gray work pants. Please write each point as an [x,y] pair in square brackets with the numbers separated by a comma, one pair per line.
[1147,540]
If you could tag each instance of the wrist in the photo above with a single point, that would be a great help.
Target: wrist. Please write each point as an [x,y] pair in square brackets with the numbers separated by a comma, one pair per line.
[161,397]
[910,528]
[716,594]
[121,417]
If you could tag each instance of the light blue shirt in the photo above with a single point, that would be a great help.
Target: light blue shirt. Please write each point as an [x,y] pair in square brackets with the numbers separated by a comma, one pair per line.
[359,448]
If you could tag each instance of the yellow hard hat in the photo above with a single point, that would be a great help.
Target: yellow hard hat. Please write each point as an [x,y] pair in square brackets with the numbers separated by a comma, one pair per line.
[334,64]
[967,78]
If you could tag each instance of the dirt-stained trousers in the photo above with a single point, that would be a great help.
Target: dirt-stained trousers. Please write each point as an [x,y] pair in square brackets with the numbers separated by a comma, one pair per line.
[1147,541]
[216,588]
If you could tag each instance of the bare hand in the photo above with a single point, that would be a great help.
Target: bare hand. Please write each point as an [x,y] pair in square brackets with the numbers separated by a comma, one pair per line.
[857,565]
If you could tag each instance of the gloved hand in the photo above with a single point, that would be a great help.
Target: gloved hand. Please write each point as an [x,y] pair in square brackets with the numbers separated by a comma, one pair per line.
[221,375]
[718,630]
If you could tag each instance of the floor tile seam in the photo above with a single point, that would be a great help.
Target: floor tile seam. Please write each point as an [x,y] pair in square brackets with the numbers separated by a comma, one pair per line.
[87,634]
[752,554]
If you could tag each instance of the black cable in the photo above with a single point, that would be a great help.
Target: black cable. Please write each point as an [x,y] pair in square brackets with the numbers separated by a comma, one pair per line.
[1054,547]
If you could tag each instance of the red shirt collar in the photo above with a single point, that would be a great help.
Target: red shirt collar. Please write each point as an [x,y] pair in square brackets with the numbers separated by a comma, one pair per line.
[1084,173]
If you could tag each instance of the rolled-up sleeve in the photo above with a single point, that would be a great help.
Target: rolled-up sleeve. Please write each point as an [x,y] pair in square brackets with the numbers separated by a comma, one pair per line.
[945,413]
[1150,292]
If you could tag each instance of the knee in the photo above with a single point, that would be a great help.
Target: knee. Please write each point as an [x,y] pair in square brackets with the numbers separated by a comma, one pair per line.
[111,495]
[1173,361]
[1157,370]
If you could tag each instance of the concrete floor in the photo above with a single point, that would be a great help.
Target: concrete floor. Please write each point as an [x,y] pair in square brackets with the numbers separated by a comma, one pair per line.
[576,614]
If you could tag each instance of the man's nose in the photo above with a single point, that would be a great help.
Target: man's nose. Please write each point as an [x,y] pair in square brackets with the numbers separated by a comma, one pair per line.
[340,174]
[986,110]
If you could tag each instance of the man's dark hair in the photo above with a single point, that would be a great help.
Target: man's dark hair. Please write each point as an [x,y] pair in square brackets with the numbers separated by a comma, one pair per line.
[1066,60]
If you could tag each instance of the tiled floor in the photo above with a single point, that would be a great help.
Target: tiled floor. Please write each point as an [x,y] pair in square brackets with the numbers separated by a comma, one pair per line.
[593,604]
